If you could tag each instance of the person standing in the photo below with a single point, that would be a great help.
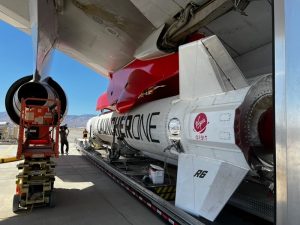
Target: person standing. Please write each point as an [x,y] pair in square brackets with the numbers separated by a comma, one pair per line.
[85,134]
[64,132]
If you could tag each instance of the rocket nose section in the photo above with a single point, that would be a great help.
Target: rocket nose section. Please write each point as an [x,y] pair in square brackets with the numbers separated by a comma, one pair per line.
[204,185]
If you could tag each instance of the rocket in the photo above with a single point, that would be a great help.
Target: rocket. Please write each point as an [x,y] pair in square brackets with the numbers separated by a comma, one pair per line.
[217,130]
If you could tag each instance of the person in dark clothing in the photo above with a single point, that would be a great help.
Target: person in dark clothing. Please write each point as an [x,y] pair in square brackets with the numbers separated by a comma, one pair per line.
[64,132]
[85,133]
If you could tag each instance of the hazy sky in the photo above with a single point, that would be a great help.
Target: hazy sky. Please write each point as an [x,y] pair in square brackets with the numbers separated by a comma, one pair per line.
[82,85]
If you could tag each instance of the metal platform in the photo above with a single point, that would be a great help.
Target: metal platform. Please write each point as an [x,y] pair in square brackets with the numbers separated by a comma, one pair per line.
[128,173]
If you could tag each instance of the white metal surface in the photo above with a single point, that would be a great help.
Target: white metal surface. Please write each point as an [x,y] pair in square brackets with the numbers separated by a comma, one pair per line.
[195,67]
[209,132]
[206,68]
[246,37]
[156,174]
[258,61]
[230,71]
[242,33]
[287,105]
[16,13]
[146,127]
[156,11]
[204,185]
[208,126]
[104,34]
[43,19]
[149,49]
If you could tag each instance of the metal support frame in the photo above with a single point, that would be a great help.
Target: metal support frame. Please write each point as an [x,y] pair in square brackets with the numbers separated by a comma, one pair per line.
[168,212]
[287,107]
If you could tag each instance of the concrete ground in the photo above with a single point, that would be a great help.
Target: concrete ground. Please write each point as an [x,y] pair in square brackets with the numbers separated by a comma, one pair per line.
[84,195]
[7,151]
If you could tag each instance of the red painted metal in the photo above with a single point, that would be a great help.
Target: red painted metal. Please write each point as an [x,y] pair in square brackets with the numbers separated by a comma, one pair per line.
[46,121]
[137,82]
[103,103]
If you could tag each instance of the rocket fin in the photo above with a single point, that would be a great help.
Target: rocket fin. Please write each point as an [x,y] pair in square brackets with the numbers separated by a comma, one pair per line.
[205,185]
[206,68]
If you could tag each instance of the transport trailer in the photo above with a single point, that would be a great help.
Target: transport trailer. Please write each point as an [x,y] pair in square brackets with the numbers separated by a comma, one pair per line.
[133,173]
[38,142]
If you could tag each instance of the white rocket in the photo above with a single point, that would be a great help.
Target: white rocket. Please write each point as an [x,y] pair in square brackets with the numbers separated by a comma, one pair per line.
[216,131]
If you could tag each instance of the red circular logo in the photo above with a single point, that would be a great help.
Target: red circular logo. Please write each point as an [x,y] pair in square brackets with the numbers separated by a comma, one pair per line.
[200,123]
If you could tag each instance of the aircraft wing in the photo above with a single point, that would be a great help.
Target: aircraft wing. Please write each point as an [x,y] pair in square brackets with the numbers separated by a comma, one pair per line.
[132,41]
[101,34]
[106,35]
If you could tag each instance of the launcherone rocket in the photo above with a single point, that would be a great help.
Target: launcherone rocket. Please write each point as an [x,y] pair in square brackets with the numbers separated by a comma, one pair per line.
[217,130]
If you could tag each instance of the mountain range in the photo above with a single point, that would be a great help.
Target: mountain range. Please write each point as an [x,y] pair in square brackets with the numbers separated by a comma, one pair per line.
[73,121]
